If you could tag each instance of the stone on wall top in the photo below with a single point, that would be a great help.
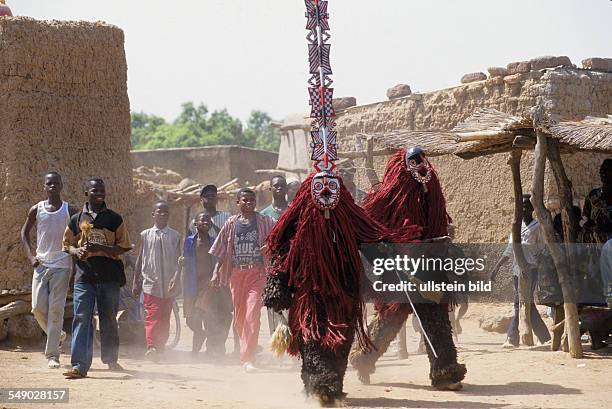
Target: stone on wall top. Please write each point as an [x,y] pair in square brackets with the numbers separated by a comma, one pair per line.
[497,72]
[399,91]
[473,77]
[518,67]
[598,64]
[343,103]
[548,61]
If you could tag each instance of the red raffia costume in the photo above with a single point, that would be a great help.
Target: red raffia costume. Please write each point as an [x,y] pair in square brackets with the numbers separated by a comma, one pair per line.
[4,9]
[316,266]
[316,274]
[411,192]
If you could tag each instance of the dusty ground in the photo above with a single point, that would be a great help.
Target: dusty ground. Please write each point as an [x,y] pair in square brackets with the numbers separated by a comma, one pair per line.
[522,378]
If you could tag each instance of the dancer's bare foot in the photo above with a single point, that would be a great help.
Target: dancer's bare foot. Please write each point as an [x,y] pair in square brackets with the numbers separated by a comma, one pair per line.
[327,401]
[449,386]
[364,378]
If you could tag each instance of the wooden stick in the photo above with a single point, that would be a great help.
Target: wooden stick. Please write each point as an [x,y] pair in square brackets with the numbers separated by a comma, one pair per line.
[558,318]
[14,308]
[517,250]
[230,183]
[558,327]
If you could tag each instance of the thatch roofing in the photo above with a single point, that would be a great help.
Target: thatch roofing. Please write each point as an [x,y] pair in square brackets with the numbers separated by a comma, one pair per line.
[592,133]
[490,131]
[441,142]
[487,123]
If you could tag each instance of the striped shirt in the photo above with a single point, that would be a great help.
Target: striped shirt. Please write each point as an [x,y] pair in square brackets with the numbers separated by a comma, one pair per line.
[223,246]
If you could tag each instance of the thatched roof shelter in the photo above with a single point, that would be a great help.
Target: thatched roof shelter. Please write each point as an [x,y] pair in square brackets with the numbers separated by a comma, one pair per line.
[489,131]
[592,134]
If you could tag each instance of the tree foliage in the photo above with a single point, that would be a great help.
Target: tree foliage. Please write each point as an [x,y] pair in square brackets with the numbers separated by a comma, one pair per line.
[196,126]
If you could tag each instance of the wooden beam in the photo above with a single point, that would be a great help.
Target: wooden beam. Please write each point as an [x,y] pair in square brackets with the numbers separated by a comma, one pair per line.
[9,298]
[278,171]
[524,142]
[234,181]
[364,154]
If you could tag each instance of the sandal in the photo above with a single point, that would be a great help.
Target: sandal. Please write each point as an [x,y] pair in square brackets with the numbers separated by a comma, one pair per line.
[74,373]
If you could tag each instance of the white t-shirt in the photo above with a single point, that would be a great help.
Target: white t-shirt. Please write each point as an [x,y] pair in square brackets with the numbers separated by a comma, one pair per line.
[50,228]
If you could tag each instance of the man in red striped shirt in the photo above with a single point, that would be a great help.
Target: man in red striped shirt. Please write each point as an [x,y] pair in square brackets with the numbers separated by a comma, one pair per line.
[241,265]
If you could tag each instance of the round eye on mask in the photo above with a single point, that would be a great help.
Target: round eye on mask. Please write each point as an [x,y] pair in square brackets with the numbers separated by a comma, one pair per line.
[318,186]
[333,185]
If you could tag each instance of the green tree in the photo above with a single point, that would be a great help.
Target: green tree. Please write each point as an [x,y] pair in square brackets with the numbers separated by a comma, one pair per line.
[225,129]
[143,126]
[261,132]
[196,126]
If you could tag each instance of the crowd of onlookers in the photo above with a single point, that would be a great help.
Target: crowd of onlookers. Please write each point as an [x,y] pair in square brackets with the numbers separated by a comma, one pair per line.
[219,269]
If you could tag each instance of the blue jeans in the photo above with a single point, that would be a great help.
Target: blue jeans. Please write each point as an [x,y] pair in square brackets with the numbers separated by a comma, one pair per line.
[537,325]
[86,296]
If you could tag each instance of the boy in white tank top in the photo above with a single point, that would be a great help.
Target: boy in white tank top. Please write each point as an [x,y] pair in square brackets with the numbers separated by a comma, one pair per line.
[52,267]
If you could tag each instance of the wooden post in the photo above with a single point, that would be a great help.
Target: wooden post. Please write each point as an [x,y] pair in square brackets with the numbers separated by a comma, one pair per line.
[558,327]
[368,154]
[187,219]
[537,199]
[568,285]
[517,250]
[369,162]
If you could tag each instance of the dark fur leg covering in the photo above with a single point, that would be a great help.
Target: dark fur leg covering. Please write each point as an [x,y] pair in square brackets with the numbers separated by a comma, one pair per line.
[444,369]
[382,332]
[323,371]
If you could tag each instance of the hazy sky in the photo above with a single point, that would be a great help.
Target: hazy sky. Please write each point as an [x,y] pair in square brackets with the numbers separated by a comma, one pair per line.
[251,54]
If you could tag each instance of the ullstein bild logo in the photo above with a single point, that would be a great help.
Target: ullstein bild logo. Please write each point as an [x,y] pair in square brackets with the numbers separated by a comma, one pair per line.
[428,286]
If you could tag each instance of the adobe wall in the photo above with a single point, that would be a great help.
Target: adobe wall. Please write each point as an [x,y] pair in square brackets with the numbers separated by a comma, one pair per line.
[210,164]
[479,191]
[64,107]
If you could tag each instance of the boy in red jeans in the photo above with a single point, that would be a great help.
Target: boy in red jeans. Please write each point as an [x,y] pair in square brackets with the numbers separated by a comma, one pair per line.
[238,249]
[157,276]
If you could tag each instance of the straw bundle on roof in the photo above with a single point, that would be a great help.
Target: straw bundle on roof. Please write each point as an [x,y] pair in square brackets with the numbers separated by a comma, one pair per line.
[592,133]
[487,124]
[434,143]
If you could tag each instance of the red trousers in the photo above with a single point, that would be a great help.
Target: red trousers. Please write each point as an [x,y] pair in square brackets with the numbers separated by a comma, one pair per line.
[247,287]
[157,320]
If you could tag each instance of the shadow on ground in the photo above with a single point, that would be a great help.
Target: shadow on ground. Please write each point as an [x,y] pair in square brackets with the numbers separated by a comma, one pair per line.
[512,388]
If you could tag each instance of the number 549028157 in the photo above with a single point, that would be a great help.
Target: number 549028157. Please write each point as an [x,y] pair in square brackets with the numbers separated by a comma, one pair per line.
[33,395]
